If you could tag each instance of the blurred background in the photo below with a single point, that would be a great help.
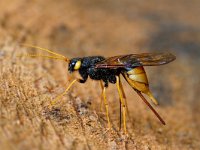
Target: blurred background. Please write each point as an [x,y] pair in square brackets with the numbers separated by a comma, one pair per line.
[113,27]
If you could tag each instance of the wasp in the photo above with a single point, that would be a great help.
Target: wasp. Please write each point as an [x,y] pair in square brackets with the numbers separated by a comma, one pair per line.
[109,70]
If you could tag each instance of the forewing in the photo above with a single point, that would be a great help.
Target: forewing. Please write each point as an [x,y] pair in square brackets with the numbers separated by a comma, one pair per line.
[135,60]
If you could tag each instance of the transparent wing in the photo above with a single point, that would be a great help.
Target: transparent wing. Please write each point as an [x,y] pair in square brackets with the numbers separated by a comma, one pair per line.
[135,60]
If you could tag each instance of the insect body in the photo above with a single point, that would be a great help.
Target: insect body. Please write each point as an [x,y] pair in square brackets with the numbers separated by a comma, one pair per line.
[108,70]
[87,68]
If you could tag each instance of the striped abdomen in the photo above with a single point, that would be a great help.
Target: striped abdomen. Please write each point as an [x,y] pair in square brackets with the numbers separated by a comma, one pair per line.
[137,79]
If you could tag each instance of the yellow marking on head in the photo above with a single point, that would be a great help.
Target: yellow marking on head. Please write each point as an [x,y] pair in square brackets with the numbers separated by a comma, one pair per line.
[77,65]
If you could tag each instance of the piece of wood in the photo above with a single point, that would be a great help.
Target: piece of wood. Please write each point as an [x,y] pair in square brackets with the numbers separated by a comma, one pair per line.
[26,90]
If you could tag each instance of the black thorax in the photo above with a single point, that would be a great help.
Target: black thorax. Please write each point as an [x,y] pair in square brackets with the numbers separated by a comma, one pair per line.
[88,69]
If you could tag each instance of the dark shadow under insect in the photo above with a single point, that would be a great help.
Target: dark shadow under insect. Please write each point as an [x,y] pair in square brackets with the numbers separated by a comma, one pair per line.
[108,70]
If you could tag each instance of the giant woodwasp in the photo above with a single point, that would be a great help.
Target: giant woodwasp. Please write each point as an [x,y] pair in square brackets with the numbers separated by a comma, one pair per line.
[108,70]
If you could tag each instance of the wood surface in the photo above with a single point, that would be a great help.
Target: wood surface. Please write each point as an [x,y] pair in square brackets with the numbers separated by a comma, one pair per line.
[77,28]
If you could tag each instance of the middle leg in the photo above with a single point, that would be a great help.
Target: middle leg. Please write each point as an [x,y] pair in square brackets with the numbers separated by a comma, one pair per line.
[121,96]
[124,96]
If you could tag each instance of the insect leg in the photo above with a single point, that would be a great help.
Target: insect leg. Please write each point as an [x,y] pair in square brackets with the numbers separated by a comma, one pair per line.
[61,95]
[106,105]
[124,96]
[122,102]
[120,108]
[101,106]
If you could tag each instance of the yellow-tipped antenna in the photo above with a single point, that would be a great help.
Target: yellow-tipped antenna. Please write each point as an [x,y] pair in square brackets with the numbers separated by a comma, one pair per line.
[56,55]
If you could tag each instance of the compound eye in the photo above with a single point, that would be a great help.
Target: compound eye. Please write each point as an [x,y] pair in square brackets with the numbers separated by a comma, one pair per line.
[77,65]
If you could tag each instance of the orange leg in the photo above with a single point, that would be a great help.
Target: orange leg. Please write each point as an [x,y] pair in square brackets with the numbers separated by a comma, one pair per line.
[122,103]
[61,95]
[124,96]
[106,106]
[102,87]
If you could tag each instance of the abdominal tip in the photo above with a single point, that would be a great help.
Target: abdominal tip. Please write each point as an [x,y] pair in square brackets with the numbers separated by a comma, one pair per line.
[152,98]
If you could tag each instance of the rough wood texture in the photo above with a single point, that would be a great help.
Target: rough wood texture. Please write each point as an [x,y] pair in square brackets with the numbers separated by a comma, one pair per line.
[77,28]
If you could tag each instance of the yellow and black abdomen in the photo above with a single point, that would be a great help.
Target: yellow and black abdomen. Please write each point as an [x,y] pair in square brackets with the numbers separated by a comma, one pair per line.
[137,79]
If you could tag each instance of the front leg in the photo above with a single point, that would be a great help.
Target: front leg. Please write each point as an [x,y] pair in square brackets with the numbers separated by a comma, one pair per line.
[82,80]
[84,75]
[61,95]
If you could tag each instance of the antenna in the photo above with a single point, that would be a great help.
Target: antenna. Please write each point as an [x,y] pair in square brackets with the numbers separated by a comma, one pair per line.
[55,55]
